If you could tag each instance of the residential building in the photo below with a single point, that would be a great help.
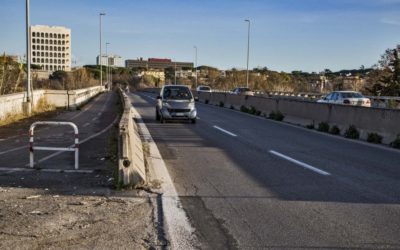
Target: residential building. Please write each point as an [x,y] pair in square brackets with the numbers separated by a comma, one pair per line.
[113,60]
[185,73]
[158,74]
[51,47]
[157,63]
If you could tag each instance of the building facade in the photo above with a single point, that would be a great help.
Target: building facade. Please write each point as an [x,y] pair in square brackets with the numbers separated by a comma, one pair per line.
[51,47]
[157,63]
[113,61]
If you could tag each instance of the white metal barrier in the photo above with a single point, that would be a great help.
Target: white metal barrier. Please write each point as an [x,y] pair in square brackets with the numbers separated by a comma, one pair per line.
[32,148]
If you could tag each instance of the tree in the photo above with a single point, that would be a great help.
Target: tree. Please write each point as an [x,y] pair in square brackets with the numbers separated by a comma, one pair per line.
[385,78]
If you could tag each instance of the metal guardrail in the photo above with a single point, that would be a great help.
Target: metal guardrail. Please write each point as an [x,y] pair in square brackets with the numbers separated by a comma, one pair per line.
[32,148]
[391,102]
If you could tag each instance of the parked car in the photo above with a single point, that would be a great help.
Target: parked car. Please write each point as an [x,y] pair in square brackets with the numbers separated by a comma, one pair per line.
[203,88]
[346,98]
[242,91]
[175,102]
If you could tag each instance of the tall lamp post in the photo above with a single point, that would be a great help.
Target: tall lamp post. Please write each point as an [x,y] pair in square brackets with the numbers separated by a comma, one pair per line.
[100,56]
[248,52]
[28,61]
[195,65]
[175,72]
[108,66]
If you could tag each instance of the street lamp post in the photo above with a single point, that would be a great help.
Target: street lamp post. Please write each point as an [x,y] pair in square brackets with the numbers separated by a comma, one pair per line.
[100,56]
[195,66]
[175,72]
[108,66]
[28,61]
[248,52]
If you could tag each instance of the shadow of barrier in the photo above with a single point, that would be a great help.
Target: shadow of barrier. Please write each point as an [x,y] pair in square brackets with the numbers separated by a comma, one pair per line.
[131,167]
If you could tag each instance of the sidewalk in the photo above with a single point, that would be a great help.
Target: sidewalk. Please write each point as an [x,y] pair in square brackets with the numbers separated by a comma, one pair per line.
[68,210]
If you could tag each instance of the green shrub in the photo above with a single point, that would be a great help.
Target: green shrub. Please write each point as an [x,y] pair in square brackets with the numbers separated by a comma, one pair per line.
[374,138]
[310,126]
[244,109]
[252,110]
[323,127]
[232,107]
[352,133]
[221,104]
[335,130]
[396,142]
[258,113]
[277,116]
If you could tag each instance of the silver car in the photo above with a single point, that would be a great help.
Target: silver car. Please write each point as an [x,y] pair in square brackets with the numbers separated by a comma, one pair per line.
[346,98]
[175,102]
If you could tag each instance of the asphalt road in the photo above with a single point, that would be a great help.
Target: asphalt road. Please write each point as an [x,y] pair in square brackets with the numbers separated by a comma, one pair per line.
[93,120]
[250,183]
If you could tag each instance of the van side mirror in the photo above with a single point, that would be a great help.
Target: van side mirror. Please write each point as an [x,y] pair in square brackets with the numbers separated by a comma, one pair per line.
[158,97]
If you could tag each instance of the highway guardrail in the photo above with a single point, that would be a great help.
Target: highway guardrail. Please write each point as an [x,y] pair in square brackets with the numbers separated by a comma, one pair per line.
[131,166]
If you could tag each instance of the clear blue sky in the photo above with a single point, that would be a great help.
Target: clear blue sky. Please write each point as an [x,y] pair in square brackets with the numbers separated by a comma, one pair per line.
[308,35]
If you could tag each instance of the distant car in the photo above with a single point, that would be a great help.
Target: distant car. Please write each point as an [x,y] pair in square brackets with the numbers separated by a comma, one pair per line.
[346,98]
[203,88]
[175,102]
[242,91]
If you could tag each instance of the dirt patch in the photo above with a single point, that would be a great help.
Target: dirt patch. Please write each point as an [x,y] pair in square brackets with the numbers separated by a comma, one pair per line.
[36,219]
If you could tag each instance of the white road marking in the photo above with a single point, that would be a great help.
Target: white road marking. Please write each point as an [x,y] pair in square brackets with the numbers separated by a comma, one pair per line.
[180,231]
[13,149]
[225,131]
[94,119]
[302,164]
[49,170]
[86,124]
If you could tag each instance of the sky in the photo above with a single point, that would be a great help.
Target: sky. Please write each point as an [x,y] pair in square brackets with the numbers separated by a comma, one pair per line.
[286,35]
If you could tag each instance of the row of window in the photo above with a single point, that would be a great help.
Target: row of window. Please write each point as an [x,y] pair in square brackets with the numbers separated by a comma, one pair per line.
[49,35]
[55,61]
[51,48]
[47,54]
[43,41]
[50,67]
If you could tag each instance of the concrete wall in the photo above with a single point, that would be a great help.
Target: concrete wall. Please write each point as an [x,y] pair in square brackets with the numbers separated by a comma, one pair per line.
[12,104]
[131,158]
[385,122]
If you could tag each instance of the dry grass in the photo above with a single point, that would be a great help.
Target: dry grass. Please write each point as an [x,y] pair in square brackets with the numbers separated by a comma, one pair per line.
[41,107]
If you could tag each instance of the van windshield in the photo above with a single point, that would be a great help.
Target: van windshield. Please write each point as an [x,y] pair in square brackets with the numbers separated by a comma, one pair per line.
[177,93]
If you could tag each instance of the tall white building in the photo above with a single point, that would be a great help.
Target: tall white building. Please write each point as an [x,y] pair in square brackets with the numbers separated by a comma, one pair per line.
[113,61]
[51,47]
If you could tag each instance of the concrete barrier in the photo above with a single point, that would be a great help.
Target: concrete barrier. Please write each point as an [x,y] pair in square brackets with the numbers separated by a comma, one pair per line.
[131,167]
[13,103]
[367,120]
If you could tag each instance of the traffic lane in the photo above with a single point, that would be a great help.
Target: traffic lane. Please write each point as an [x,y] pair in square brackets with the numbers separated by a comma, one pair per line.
[357,164]
[357,174]
[218,189]
[98,115]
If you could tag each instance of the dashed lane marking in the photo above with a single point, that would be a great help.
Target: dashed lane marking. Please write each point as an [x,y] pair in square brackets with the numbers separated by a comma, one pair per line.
[302,164]
[225,131]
